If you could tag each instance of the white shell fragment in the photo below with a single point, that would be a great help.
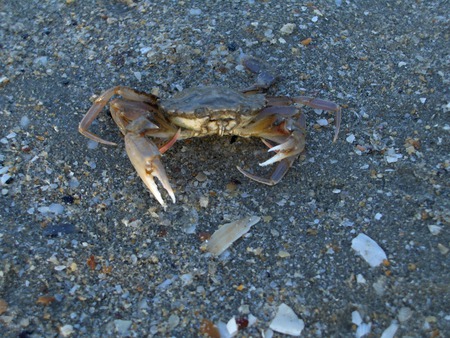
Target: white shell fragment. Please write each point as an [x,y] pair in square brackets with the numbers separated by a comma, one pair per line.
[369,250]
[434,229]
[363,330]
[391,156]
[228,233]
[287,322]
[350,138]
[356,318]
[232,327]
[390,331]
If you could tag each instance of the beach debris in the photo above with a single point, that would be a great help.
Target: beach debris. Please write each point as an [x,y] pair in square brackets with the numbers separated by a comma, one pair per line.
[390,330]
[368,249]
[287,322]
[228,233]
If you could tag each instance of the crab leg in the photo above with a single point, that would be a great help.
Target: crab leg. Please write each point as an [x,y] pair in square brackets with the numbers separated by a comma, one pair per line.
[279,172]
[102,100]
[287,150]
[322,104]
[145,157]
[264,76]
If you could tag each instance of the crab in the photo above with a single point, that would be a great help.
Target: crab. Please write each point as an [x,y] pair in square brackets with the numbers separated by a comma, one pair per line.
[203,111]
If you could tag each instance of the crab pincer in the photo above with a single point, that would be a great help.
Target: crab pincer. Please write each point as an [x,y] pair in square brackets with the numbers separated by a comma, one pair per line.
[145,157]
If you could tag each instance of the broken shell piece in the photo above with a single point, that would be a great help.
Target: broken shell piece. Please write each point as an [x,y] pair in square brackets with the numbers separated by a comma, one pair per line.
[232,327]
[228,233]
[287,322]
[368,249]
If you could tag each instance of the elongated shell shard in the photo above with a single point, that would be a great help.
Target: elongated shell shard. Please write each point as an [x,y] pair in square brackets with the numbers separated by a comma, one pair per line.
[228,233]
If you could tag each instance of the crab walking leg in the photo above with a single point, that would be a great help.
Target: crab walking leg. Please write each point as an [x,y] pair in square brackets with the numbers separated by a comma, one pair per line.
[279,172]
[102,100]
[145,157]
[264,76]
[322,104]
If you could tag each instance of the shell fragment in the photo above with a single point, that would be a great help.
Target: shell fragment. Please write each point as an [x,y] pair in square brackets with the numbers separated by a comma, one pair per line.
[229,233]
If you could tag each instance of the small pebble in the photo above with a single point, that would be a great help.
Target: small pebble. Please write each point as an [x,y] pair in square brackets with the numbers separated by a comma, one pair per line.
[195,11]
[434,229]
[322,122]
[122,326]
[24,122]
[287,29]
[173,321]
[3,80]
[92,144]
[56,208]
[404,314]
[201,177]
[66,330]
[350,138]
[5,178]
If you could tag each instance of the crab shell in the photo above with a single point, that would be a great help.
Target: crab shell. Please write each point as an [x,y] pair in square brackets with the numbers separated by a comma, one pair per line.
[212,110]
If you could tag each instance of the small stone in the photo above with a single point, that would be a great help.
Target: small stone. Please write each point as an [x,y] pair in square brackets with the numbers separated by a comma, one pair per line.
[5,178]
[195,11]
[356,318]
[442,249]
[122,326]
[138,76]
[322,122]
[404,314]
[434,229]
[287,29]
[66,330]
[3,80]
[204,201]
[56,208]
[360,279]
[173,321]
[201,177]
[92,144]
[283,254]
[3,306]
[24,122]
[350,138]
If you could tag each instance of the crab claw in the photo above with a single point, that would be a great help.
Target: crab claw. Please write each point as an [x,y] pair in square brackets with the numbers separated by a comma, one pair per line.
[286,153]
[145,157]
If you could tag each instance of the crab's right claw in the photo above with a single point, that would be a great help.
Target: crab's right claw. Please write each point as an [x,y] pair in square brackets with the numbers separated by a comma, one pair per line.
[145,157]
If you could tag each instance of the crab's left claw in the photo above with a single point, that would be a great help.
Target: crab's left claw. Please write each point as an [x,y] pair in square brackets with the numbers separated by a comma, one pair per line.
[145,157]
